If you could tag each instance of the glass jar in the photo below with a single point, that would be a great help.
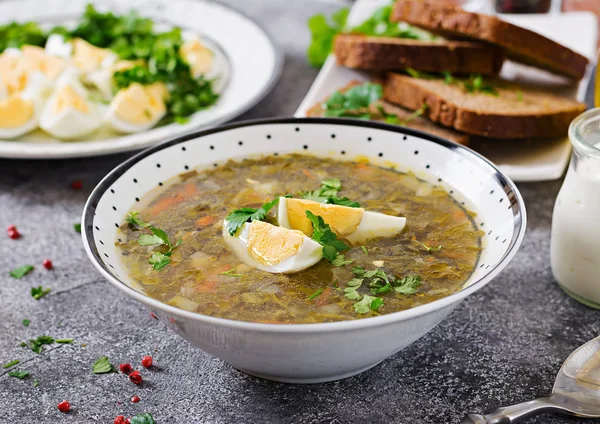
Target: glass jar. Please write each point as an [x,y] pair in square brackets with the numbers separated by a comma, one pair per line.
[575,243]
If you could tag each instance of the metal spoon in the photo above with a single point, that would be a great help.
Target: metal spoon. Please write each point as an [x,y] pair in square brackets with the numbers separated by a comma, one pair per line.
[576,392]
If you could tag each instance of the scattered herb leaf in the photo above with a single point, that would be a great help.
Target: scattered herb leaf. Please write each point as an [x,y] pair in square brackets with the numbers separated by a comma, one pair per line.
[102,366]
[315,294]
[77,227]
[10,364]
[145,418]
[38,292]
[36,383]
[19,374]
[323,235]
[364,249]
[367,304]
[37,344]
[26,322]
[21,271]
[239,217]
[328,194]
[159,260]
[64,341]
[408,284]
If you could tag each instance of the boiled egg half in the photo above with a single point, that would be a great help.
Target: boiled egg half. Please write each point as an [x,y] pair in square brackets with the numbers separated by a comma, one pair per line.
[137,107]
[353,224]
[18,115]
[199,57]
[69,113]
[273,249]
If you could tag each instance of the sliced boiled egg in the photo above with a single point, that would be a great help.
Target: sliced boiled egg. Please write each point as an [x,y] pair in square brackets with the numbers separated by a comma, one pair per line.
[273,249]
[137,107]
[102,78]
[18,115]
[88,57]
[353,224]
[68,113]
[199,57]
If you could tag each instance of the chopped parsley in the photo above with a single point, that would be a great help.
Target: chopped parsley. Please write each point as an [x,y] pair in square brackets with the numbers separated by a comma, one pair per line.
[145,418]
[364,249]
[19,374]
[158,237]
[328,193]
[26,322]
[419,74]
[340,260]
[63,341]
[379,284]
[103,366]
[10,364]
[323,235]
[38,292]
[77,227]
[519,94]
[239,217]
[354,102]
[315,294]
[21,271]
[475,83]
[36,383]
[37,345]
[231,273]
[134,219]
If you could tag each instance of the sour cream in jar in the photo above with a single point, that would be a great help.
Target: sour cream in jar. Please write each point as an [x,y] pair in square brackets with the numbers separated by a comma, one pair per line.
[575,244]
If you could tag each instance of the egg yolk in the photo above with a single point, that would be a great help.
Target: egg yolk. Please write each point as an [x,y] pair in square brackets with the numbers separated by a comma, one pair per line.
[88,57]
[68,98]
[37,59]
[342,220]
[271,245]
[13,73]
[197,56]
[139,105]
[15,111]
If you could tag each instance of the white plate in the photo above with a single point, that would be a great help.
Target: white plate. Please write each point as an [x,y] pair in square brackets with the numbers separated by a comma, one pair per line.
[536,161]
[253,66]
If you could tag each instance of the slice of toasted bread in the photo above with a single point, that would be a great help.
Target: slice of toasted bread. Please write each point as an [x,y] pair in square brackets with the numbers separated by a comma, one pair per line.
[393,54]
[408,117]
[521,45]
[516,111]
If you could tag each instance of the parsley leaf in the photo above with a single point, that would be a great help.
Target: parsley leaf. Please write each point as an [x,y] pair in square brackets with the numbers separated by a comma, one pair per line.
[159,260]
[19,374]
[26,322]
[102,366]
[77,227]
[10,364]
[408,284]
[36,383]
[37,344]
[367,304]
[476,84]
[323,235]
[380,25]
[328,194]
[322,34]
[340,260]
[64,341]
[422,75]
[134,219]
[364,249]
[354,102]
[149,240]
[21,271]
[159,237]
[145,418]
[239,217]
[17,34]
[315,294]
[38,292]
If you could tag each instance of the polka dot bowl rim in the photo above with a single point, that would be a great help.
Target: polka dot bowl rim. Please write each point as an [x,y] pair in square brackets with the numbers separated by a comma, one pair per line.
[515,200]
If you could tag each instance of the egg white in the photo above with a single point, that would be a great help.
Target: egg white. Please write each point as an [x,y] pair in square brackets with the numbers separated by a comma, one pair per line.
[70,123]
[308,254]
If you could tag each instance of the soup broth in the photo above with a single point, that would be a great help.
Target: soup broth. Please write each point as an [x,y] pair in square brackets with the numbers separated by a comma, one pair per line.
[440,243]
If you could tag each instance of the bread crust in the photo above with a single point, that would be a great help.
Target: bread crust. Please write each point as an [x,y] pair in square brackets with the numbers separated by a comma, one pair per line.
[392,54]
[501,117]
[521,45]
[417,123]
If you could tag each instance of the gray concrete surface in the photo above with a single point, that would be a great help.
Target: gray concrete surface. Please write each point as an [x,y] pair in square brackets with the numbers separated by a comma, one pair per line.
[502,345]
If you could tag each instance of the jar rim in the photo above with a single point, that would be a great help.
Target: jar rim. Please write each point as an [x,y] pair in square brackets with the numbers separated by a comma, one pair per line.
[578,137]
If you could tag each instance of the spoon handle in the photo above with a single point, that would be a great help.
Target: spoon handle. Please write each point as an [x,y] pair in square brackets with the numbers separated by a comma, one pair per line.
[514,413]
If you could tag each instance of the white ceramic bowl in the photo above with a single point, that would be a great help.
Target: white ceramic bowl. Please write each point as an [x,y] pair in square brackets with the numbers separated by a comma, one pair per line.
[309,353]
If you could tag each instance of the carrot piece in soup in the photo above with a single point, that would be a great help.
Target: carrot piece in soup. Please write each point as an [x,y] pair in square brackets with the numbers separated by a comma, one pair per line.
[206,221]
[308,174]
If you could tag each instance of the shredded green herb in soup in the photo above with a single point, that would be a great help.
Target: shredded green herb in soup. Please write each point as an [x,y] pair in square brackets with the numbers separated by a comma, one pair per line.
[175,250]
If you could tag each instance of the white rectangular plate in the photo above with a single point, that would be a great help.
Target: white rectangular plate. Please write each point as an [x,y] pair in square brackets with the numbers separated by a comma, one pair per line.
[522,161]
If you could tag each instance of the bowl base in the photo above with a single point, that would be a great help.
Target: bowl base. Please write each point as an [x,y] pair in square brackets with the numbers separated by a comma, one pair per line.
[307,380]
